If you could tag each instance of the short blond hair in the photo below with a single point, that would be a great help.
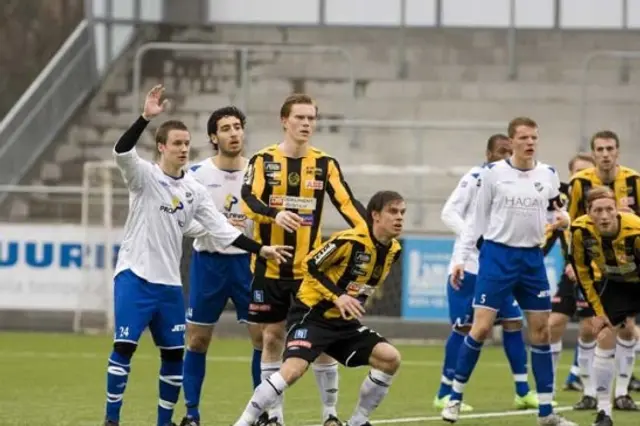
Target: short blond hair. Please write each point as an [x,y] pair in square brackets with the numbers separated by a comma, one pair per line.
[599,193]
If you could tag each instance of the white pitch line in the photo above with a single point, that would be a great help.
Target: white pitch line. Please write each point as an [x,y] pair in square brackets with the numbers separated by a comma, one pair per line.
[462,417]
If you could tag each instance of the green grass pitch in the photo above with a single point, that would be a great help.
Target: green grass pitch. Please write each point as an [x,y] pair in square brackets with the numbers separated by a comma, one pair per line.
[59,379]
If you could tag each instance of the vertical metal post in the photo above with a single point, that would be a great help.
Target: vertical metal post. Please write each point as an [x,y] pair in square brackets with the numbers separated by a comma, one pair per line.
[322,12]
[137,12]
[402,42]
[625,70]
[557,14]
[108,46]
[107,205]
[438,13]
[511,42]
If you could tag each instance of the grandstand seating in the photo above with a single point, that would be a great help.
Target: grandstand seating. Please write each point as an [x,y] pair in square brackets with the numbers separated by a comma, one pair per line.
[452,74]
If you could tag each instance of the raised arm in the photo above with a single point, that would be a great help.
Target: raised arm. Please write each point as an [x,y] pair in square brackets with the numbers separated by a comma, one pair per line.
[582,265]
[341,196]
[252,189]
[132,166]
[458,204]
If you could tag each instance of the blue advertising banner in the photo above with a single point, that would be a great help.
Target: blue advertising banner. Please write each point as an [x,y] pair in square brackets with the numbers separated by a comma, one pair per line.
[425,272]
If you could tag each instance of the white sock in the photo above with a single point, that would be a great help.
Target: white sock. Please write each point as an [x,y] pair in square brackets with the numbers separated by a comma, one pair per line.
[327,379]
[372,392]
[604,371]
[625,359]
[586,353]
[556,351]
[267,370]
[263,397]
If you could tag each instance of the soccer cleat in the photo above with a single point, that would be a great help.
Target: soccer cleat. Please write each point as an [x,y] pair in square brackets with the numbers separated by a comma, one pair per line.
[625,403]
[554,419]
[111,423]
[189,421]
[364,424]
[262,420]
[530,400]
[273,421]
[332,421]
[634,384]
[439,404]
[451,412]
[586,403]
[574,385]
[602,419]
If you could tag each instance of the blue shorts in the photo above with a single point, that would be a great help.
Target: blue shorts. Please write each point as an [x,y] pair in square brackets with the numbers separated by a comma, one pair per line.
[215,278]
[140,304]
[461,303]
[506,271]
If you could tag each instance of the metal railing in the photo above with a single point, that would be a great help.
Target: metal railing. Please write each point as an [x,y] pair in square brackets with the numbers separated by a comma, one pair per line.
[49,102]
[243,50]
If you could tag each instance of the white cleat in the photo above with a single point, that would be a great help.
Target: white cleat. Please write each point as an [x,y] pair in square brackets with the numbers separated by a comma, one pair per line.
[555,420]
[451,411]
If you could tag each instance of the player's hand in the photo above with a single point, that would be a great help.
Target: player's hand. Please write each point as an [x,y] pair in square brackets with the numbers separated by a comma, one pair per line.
[560,217]
[241,224]
[457,275]
[570,273]
[349,307]
[154,104]
[278,253]
[599,323]
[288,220]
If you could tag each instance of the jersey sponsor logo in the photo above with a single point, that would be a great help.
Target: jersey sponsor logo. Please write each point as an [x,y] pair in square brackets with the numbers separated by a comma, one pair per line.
[324,253]
[293,179]
[362,257]
[176,205]
[356,289]
[310,170]
[300,333]
[270,166]
[297,344]
[314,184]
[291,202]
[307,219]
[229,201]
[178,328]
[538,186]
[258,296]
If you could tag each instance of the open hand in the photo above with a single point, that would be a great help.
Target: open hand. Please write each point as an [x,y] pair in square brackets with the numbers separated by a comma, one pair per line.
[278,253]
[349,307]
[288,220]
[457,275]
[153,103]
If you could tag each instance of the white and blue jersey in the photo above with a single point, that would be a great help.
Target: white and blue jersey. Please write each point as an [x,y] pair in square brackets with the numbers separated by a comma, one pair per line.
[147,286]
[513,207]
[456,215]
[217,274]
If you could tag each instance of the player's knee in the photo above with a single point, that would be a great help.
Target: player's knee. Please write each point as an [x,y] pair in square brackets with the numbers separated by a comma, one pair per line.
[172,355]
[125,349]
[198,340]
[385,358]
[512,325]
[585,331]
[255,334]
[273,338]
[292,369]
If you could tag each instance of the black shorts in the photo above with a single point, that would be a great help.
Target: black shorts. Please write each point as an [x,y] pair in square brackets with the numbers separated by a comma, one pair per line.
[348,342]
[568,300]
[620,300]
[271,299]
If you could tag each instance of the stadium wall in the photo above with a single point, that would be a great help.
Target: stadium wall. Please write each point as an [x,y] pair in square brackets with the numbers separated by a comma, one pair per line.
[49,271]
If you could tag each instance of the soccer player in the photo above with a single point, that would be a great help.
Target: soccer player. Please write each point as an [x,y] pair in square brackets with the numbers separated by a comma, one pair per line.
[456,211]
[610,239]
[339,277]
[218,274]
[625,183]
[147,290]
[564,304]
[284,192]
[516,198]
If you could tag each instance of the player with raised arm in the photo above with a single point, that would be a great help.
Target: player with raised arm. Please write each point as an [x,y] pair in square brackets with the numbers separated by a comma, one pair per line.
[625,183]
[339,277]
[567,302]
[163,201]
[218,274]
[284,192]
[608,239]
[517,198]
[458,208]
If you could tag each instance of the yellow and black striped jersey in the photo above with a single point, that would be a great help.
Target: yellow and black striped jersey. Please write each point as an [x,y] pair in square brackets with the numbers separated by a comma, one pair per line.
[273,183]
[625,186]
[617,257]
[351,262]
